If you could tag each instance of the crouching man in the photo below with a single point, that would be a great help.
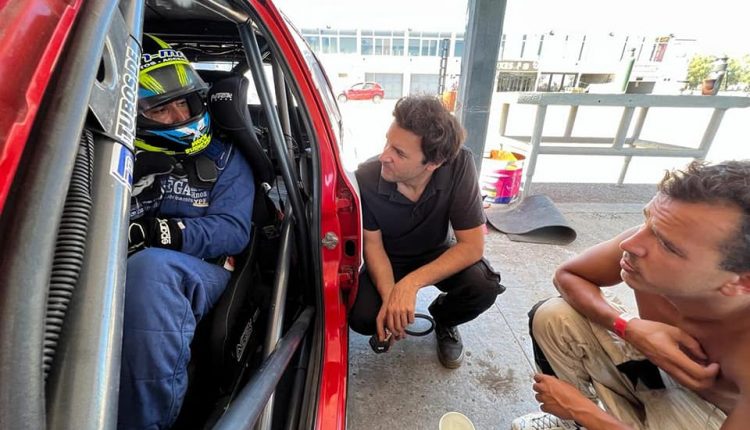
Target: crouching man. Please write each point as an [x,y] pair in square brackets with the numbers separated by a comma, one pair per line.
[423,183]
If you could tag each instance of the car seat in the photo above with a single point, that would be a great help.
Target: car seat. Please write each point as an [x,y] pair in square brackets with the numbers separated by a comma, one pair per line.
[227,341]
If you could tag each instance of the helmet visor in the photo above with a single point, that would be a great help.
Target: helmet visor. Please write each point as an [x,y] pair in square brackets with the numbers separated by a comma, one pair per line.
[194,104]
[166,78]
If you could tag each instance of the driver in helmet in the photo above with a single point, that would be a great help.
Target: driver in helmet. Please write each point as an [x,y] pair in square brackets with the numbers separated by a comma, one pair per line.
[191,209]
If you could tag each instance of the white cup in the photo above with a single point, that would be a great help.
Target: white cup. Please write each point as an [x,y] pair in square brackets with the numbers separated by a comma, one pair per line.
[455,421]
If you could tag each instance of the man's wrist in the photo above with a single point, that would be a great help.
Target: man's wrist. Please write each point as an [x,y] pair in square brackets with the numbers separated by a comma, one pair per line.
[592,417]
[621,323]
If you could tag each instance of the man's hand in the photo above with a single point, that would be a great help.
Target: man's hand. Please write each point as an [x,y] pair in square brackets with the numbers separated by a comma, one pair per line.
[565,401]
[559,398]
[397,311]
[674,351]
[145,232]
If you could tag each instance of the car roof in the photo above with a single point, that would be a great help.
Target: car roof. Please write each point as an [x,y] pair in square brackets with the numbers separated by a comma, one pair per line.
[202,34]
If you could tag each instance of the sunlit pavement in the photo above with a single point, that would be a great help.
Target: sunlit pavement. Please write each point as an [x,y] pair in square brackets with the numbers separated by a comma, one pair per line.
[407,388]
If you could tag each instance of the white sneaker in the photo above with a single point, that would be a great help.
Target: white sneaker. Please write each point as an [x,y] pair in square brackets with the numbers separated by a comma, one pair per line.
[543,421]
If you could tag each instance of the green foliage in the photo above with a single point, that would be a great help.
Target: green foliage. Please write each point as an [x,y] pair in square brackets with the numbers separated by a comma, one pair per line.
[738,71]
[698,69]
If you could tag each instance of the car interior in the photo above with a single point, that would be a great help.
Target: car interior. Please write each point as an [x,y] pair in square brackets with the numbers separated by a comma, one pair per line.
[274,284]
[263,340]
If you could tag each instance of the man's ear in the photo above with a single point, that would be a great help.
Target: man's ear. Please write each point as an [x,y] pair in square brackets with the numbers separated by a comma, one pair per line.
[433,166]
[738,286]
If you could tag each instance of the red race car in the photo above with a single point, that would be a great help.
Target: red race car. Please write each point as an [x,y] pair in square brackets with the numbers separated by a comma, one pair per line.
[363,91]
[68,103]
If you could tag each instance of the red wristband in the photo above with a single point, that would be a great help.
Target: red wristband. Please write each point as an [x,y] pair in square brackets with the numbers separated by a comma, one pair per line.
[621,322]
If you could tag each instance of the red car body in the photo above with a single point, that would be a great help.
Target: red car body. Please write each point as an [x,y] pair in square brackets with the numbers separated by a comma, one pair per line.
[34,45]
[363,91]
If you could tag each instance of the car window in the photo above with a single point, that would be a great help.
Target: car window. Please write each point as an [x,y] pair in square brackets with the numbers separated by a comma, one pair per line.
[252,91]
[321,81]
[357,86]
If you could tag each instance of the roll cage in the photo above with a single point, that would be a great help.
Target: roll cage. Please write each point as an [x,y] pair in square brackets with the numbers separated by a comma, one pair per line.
[63,284]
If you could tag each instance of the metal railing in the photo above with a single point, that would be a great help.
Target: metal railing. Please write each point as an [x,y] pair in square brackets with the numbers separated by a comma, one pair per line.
[621,143]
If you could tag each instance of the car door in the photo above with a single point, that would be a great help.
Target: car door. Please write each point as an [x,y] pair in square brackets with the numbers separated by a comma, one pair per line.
[358,92]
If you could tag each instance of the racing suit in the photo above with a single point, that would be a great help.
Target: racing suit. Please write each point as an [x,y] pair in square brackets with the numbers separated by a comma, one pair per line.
[168,291]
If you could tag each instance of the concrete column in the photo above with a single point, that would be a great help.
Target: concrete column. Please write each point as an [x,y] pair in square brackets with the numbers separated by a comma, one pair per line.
[478,66]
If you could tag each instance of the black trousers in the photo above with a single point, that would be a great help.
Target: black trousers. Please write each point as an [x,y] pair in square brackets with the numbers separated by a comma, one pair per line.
[469,293]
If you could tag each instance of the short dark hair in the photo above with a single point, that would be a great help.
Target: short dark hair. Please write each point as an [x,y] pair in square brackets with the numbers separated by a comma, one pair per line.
[723,183]
[442,135]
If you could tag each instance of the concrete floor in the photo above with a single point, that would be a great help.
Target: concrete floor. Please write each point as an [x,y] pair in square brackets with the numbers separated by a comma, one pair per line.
[407,388]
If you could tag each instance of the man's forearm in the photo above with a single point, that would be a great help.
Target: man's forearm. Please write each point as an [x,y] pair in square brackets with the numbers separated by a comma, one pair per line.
[455,259]
[594,418]
[379,268]
[586,298]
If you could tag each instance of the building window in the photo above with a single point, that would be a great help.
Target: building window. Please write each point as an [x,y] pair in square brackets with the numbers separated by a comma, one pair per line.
[348,41]
[398,43]
[458,48]
[366,42]
[413,47]
[329,42]
[312,36]
[458,45]
[382,42]
[426,44]
[398,46]
[429,48]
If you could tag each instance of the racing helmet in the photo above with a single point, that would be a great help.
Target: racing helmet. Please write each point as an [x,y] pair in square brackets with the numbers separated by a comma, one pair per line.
[166,76]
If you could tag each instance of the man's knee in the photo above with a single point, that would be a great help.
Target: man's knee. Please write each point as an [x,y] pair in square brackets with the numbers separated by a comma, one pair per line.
[150,273]
[362,325]
[484,283]
[546,318]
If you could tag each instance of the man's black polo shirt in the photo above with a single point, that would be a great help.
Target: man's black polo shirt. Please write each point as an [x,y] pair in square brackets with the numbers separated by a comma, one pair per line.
[412,229]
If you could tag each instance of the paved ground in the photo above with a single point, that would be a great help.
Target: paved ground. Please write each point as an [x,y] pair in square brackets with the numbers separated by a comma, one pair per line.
[408,388]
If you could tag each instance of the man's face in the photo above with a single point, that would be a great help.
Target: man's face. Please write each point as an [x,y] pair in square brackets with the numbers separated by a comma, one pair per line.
[677,251]
[169,113]
[402,156]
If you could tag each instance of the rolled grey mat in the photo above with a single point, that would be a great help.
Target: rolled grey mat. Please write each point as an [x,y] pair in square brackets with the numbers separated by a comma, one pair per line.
[535,220]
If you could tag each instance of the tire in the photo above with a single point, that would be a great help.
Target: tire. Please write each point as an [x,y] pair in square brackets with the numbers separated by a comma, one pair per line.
[377,98]
[342,98]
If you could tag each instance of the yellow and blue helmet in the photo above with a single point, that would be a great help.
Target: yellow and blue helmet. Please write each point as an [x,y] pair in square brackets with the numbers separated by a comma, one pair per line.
[165,76]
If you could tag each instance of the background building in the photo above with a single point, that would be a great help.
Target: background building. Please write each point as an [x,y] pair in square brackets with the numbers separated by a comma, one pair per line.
[411,61]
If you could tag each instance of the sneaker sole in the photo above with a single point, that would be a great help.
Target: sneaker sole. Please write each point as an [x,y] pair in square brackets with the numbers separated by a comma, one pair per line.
[455,364]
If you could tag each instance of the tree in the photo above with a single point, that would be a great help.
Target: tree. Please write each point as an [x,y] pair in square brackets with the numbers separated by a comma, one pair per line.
[734,73]
[744,73]
[698,69]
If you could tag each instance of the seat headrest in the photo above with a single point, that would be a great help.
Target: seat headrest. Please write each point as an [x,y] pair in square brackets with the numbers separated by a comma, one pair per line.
[227,104]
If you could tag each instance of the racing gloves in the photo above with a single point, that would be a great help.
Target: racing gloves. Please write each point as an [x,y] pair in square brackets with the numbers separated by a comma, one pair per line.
[158,232]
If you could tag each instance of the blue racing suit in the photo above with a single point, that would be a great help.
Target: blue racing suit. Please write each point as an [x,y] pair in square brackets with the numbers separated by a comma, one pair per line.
[168,291]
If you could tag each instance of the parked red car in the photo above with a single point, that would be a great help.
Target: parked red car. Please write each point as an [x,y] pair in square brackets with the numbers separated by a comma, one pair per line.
[363,91]
[67,97]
